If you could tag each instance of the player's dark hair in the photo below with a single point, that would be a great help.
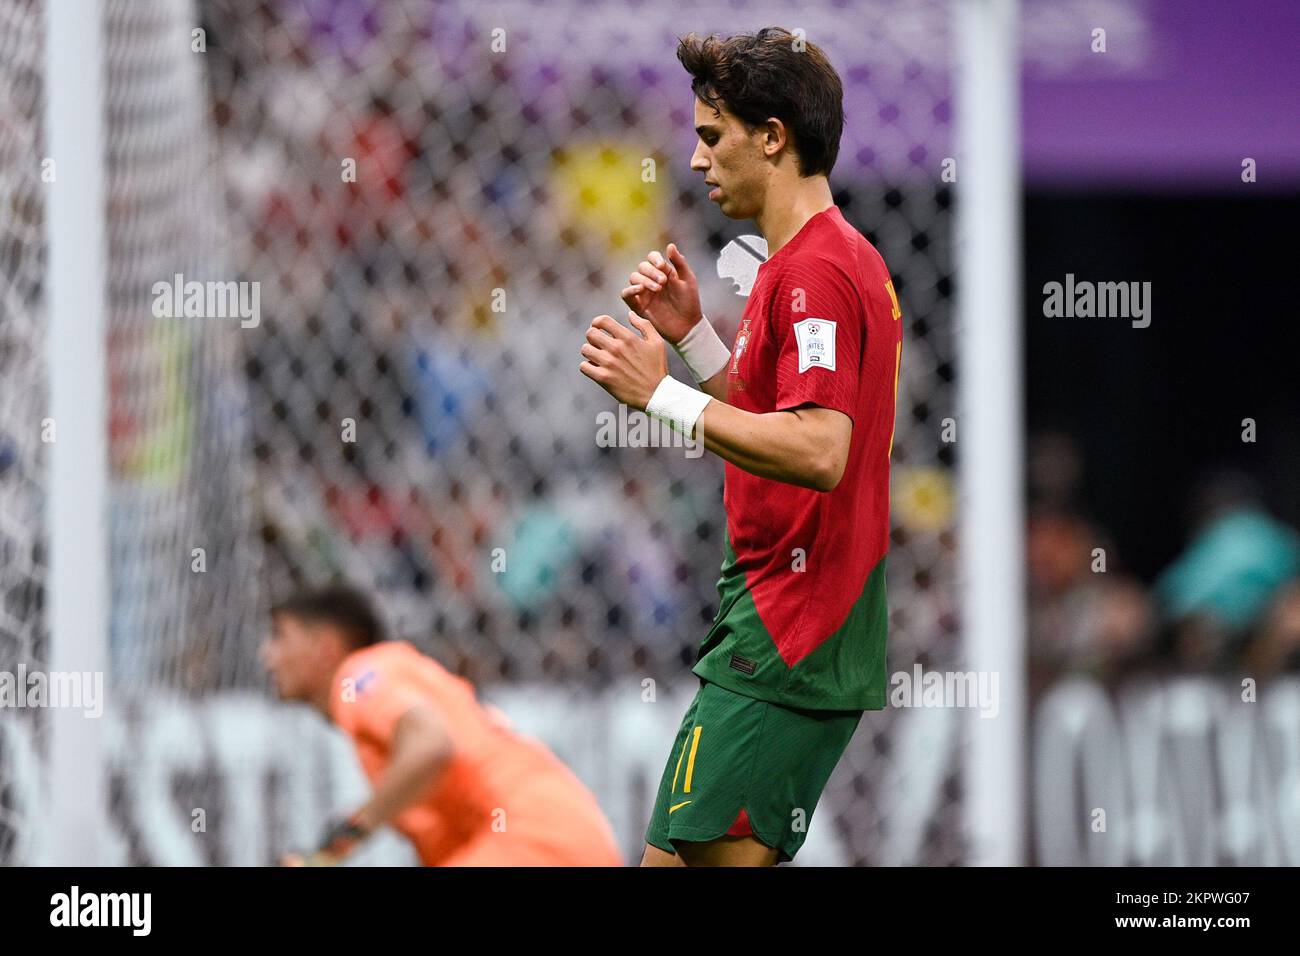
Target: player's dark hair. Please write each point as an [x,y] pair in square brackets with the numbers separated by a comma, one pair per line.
[766,74]
[340,605]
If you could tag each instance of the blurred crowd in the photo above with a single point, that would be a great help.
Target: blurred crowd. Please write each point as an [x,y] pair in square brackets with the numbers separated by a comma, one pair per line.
[435,293]
[1227,604]
[434,229]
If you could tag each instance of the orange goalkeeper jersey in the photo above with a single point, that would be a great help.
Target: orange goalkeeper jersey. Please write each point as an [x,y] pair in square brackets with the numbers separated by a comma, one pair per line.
[503,798]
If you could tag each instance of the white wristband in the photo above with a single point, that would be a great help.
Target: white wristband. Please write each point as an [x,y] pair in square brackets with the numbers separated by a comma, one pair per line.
[677,404]
[703,351]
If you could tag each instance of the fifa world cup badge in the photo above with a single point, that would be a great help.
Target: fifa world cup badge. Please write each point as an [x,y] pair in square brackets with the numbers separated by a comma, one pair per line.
[816,340]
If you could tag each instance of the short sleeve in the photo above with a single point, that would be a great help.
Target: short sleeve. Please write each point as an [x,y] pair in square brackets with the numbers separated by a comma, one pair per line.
[371,697]
[819,327]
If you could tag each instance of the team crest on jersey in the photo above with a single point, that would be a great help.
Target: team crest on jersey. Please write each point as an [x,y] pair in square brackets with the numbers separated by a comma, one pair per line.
[742,340]
[816,340]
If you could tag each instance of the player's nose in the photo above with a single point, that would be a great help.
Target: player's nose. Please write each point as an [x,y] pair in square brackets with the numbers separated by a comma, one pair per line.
[699,162]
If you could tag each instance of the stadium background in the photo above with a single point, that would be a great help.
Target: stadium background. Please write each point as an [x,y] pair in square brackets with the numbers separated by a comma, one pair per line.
[410,403]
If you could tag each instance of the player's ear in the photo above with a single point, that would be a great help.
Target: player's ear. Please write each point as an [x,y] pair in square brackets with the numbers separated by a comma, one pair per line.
[775,136]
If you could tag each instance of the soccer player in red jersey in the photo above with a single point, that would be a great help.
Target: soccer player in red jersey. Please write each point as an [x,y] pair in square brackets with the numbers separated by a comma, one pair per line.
[448,772]
[802,410]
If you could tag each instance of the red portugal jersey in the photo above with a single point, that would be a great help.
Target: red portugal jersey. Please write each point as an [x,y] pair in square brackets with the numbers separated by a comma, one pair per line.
[802,617]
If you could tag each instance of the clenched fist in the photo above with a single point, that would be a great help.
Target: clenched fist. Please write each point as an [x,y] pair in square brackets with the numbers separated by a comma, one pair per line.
[628,366]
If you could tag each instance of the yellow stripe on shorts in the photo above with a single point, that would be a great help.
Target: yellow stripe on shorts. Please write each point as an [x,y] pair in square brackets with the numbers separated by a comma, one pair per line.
[690,764]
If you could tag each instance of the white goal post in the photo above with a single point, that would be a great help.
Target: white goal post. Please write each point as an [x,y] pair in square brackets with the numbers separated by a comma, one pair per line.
[76,347]
[990,395]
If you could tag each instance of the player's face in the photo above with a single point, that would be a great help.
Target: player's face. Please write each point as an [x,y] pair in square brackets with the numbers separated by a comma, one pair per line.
[731,160]
[293,657]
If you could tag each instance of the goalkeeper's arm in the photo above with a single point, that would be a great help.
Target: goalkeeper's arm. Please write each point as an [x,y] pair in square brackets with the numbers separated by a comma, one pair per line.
[421,749]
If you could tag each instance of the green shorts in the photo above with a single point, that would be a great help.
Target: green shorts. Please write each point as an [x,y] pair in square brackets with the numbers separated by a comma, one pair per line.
[744,767]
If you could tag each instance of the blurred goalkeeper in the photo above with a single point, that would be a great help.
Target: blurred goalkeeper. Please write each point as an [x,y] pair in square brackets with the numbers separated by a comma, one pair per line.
[448,772]
[802,410]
